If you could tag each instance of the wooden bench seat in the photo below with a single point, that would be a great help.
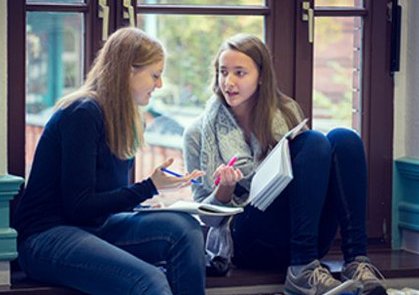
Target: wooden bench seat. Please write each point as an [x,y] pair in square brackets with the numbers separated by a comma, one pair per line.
[393,264]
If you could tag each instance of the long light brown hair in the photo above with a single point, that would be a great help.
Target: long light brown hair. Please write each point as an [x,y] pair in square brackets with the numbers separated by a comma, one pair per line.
[268,97]
[108,83]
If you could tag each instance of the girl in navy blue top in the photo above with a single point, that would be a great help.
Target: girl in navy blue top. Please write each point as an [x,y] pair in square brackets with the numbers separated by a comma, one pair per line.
[75,221]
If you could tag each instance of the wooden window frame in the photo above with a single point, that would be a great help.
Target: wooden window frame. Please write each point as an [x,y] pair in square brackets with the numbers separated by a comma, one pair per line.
[377,105]
[282,22]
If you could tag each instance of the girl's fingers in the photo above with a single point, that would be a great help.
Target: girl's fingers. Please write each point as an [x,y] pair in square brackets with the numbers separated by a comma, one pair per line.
[218,170]
[198,172]
[194,174]
[239,174]
[229,175]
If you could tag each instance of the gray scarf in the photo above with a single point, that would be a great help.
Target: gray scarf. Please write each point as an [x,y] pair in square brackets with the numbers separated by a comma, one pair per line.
[222,138]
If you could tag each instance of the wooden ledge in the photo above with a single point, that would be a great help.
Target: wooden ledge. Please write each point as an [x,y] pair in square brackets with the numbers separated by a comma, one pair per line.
[392,264]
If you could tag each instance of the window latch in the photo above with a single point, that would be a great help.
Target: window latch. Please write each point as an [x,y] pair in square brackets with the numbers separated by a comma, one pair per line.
[308,16]
[104,15]
[129,12]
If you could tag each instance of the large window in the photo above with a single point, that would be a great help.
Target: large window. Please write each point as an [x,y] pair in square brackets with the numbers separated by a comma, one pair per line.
[330,55]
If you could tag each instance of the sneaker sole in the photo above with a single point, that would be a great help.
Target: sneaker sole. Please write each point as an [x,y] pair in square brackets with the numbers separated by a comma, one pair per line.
[354,287]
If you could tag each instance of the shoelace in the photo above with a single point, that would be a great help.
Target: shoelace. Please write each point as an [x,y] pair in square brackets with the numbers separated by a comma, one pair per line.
[321,275]
[367,271]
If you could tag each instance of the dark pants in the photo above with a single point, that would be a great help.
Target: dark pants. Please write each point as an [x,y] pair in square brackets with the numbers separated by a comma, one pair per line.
[328,191]
[158,253]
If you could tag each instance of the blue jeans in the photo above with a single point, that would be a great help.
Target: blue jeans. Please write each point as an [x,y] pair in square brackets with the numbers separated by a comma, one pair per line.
[328,191]
[155,253]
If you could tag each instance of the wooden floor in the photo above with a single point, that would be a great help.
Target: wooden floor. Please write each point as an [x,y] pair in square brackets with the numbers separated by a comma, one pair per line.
[393,264]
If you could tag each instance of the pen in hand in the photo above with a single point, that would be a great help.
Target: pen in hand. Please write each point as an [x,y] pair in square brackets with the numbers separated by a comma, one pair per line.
[230,164]
[178,175]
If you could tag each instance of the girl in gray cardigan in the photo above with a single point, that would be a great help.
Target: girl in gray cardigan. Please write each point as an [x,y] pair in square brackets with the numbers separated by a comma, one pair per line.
[246,117]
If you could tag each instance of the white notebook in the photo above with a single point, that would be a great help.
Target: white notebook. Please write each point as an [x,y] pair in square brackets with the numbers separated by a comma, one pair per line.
[274,173]
[194,208]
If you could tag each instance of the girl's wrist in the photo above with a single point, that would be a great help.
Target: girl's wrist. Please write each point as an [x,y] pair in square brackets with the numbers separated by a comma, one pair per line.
[224,193]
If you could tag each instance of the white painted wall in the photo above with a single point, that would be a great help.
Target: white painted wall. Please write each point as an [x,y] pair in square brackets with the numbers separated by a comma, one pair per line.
[4,266]
[406,104]
[3,88]
[412,82]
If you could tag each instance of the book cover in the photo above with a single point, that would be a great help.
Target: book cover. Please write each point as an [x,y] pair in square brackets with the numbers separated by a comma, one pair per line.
[194,208]
[274,173]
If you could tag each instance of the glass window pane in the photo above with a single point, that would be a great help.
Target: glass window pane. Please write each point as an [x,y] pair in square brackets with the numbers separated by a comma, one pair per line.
[191,42]
[54,56]
[204,2]
[336,74]
[350,3]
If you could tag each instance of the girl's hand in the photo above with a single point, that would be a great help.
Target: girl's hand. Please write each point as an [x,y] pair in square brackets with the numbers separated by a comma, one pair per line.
[165,182]
[229,176]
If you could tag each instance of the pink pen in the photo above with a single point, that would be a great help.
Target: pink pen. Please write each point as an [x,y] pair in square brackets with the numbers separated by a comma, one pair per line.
[230,164]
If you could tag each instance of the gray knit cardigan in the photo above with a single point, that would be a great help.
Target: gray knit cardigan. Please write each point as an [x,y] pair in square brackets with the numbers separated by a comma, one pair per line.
[212,140]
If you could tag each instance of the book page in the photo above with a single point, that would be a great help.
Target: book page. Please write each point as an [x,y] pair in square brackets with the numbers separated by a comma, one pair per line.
[274,173]
[296,130]
[195,208]
[267,171]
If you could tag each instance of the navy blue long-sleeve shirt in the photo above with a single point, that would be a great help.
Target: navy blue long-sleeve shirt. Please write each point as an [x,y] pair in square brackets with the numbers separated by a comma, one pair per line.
[75,179]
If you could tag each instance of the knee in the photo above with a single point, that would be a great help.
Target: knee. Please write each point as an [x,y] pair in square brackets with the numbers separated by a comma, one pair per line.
[184,226]
[314,144]
[154,282]
[343,139]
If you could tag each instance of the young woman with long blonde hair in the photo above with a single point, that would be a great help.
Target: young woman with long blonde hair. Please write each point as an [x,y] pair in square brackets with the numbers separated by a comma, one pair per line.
[75,220]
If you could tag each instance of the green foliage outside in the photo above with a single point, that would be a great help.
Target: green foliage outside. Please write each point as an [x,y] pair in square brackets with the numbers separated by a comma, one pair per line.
[334,55]
[192,42]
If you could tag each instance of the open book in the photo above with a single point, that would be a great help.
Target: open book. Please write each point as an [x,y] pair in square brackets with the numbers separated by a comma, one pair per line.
[274,173]
[194,208]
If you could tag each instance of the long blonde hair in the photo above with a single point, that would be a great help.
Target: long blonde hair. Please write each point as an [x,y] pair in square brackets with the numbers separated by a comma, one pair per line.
[108,83]
[269,98]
